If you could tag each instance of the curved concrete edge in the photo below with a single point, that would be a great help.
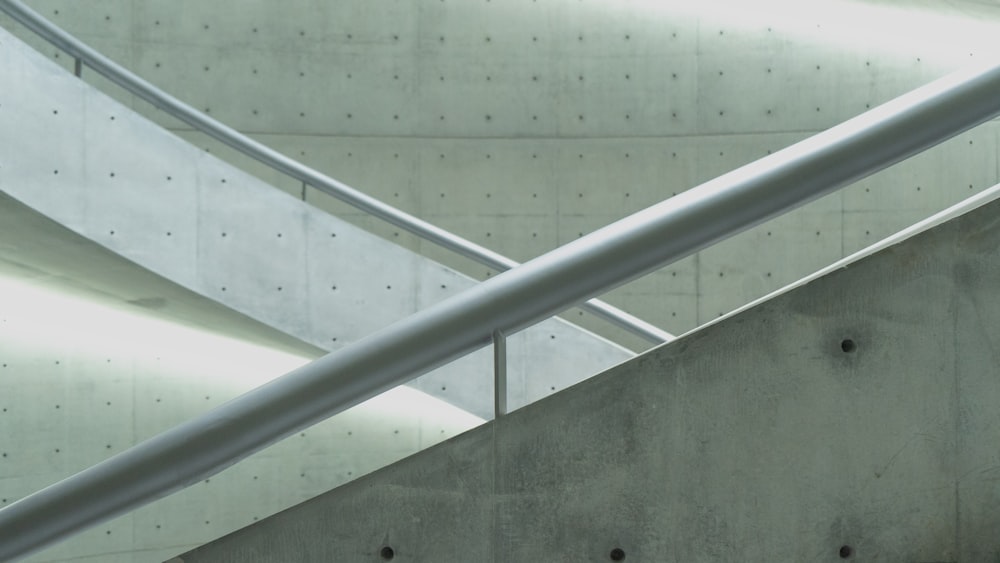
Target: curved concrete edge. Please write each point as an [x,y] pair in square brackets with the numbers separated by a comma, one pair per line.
[91,164]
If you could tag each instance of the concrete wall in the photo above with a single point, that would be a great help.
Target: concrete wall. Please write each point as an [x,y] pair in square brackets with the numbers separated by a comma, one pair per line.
[522,125]
[850,418]
[336,85]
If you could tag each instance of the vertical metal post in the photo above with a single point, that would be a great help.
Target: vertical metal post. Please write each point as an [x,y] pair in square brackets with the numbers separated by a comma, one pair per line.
[499,374]
[77,67]
[304,191]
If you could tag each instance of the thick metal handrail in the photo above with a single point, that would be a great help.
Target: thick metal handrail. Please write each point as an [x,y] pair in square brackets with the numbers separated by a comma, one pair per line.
[293,168]
[511,301]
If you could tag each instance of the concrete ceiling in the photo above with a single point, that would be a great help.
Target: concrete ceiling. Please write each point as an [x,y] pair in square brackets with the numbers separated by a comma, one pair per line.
[39,251]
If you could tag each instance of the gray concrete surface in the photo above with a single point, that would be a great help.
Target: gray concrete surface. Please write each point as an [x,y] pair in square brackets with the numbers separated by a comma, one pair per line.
[95,166]
[852,417]
[393,97]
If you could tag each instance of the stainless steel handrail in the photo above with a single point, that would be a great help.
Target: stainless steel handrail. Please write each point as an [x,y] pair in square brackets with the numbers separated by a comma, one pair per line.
[277,161]
[502,305]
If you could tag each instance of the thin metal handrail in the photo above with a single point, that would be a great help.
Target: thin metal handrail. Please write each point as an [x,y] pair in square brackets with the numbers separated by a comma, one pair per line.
[511,301]
[293,168]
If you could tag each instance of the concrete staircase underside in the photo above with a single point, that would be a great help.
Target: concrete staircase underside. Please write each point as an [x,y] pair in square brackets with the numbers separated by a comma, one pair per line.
[853,416]
[91,164]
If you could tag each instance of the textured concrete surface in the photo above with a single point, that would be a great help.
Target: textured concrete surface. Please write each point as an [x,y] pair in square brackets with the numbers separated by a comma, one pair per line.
[850,418]
[116,178]
[523,124]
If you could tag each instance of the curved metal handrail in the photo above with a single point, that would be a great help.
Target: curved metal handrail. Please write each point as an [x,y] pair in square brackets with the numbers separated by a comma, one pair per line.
[293,168]
[513,300]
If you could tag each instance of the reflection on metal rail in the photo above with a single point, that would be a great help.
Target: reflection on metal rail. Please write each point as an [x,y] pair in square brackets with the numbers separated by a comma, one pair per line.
[121,76]
[511,301]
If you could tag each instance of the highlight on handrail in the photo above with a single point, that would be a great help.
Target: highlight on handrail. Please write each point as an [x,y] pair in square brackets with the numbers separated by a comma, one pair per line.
[294,169]
[509,302]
